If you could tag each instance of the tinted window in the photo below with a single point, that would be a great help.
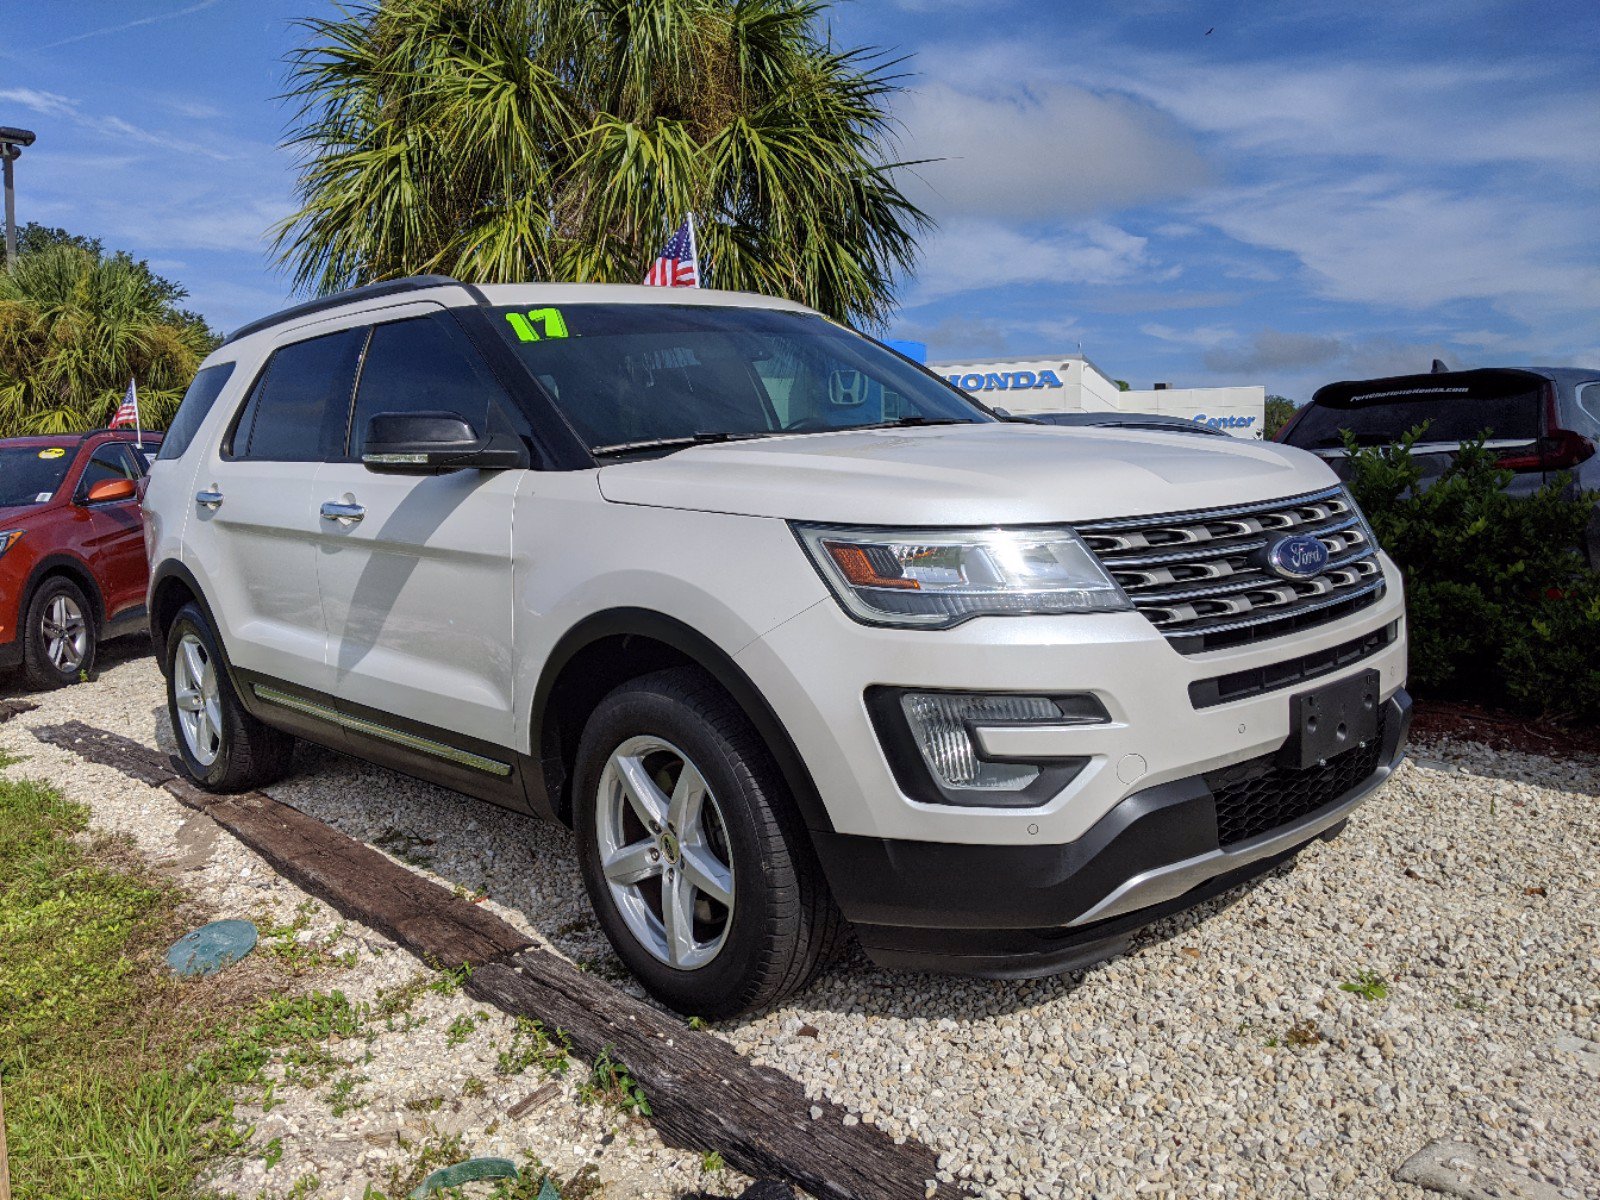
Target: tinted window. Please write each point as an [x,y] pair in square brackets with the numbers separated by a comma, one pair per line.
[1456,407]
[197,402]
[31,474]
[625,373]
[108,462]
[296,411]
[425,365]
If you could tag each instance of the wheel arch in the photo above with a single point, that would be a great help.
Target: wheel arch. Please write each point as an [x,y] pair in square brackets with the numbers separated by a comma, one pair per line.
[66,566]
[607,649]
[172,585]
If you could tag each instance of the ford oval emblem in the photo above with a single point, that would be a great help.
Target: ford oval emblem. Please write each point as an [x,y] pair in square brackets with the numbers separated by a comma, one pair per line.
[1296,556]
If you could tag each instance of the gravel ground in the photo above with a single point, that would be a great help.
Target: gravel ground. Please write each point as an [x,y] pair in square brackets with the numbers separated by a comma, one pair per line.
[1225,1056]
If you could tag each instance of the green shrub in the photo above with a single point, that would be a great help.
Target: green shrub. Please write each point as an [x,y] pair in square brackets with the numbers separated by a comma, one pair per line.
[1502,609]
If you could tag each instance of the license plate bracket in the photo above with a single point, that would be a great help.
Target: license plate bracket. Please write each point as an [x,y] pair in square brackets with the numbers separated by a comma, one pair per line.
[1329,720]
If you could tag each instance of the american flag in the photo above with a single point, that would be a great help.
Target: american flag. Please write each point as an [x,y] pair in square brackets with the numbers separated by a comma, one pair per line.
[128,411]
[678,265]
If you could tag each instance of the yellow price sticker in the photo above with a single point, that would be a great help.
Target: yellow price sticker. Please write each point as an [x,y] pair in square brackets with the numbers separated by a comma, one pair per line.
[53,452]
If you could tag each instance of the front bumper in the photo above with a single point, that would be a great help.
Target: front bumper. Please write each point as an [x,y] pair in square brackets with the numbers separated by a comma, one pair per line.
[1019,911]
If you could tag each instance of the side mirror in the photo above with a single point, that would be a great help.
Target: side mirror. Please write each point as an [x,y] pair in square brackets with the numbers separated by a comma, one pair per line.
[434,443]
[108,490]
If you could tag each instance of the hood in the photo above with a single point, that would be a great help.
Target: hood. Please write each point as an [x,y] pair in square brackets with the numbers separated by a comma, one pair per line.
[966,475]
[18,514]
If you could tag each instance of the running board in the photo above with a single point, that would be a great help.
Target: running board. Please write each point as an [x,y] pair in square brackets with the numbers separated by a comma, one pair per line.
[410,741]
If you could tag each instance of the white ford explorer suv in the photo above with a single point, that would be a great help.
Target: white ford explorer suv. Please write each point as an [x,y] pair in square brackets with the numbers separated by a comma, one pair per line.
[796,637]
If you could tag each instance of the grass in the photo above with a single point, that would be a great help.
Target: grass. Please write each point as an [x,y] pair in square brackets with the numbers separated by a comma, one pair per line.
[93,1035]
[120,1078]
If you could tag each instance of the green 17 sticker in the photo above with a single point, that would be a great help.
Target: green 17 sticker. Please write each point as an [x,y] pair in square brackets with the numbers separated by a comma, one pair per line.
[548,320]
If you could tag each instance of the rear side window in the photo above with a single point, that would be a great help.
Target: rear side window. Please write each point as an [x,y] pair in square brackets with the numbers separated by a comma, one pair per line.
[425,364]
[297,408]
[197,402]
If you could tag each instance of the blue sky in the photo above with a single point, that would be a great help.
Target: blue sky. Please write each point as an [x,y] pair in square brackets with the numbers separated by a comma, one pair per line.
[1307,192]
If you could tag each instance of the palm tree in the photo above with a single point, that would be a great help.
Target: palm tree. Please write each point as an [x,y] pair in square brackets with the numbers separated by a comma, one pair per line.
[76,326]
[503,140]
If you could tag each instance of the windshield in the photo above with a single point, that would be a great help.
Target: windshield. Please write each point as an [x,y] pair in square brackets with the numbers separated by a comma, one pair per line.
[31,474]
[1456,406]
[626,374]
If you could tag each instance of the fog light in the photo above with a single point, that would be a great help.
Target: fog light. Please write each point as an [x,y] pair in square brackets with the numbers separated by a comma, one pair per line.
[941,725]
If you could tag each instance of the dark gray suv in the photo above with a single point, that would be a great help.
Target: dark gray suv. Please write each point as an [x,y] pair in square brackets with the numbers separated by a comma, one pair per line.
[1542,421]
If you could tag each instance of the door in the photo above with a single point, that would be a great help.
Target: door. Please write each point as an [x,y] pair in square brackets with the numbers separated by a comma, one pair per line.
[254,526]
[415,571]
[116,540]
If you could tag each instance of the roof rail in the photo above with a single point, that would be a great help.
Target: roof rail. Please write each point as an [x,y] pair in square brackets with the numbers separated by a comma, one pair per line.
[370,291]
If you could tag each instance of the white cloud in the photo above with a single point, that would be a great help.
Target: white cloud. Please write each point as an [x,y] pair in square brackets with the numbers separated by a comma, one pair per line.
[968,254]
[1378,239]
[1204,336]
[1054,152]
[50,104]
[47,104]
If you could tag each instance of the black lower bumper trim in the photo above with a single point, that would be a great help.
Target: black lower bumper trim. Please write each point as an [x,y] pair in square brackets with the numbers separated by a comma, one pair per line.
[1005,911]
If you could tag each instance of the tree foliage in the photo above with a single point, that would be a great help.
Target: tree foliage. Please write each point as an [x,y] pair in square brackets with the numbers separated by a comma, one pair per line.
[76,324]
[509,140]
[1279,410]
[1500,605]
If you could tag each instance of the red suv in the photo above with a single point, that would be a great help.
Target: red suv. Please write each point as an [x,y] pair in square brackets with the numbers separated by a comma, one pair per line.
[72,558]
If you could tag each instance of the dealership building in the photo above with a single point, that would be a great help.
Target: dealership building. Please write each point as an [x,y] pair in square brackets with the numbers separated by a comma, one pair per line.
[1071,383]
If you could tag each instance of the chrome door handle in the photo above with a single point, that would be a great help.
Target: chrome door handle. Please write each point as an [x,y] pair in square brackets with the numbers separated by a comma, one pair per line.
[334,510]
[211,500]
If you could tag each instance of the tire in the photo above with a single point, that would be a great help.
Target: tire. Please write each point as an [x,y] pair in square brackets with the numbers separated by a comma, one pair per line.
[782,925]
[222,747]
[61,637]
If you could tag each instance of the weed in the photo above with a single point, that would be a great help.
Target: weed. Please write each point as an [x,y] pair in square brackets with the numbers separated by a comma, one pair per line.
[306,1185]
[463,1028]
[425,1103]
[273,1153]
[610,1082]
[1303,1033]
[450,980]
[697,1023]
[711,1162]
[1369,985]
[474,1087]
[532,1046]
[342,1098]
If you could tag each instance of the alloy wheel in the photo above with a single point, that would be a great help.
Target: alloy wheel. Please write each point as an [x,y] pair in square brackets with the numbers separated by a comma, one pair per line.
[66,634]
[197,699]
[664,852]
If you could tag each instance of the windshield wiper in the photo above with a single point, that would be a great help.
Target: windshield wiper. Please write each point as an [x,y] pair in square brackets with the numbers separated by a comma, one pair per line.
[906,422]
[670,443]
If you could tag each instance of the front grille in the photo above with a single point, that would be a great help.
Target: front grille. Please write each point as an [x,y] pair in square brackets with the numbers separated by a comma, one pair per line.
[1259,796]
[1198,576]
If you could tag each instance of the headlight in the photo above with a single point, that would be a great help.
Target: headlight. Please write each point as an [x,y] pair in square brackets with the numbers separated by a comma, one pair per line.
[938,578]
[10,538]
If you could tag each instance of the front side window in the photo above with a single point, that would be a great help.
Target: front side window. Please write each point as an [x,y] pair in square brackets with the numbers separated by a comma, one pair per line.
[628,374]
[108,462]
[297,409]
[31,474]
[197,402]
[425,364]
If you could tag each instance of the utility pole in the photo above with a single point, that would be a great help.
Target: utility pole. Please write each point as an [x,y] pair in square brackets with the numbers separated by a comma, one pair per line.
[11,143]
